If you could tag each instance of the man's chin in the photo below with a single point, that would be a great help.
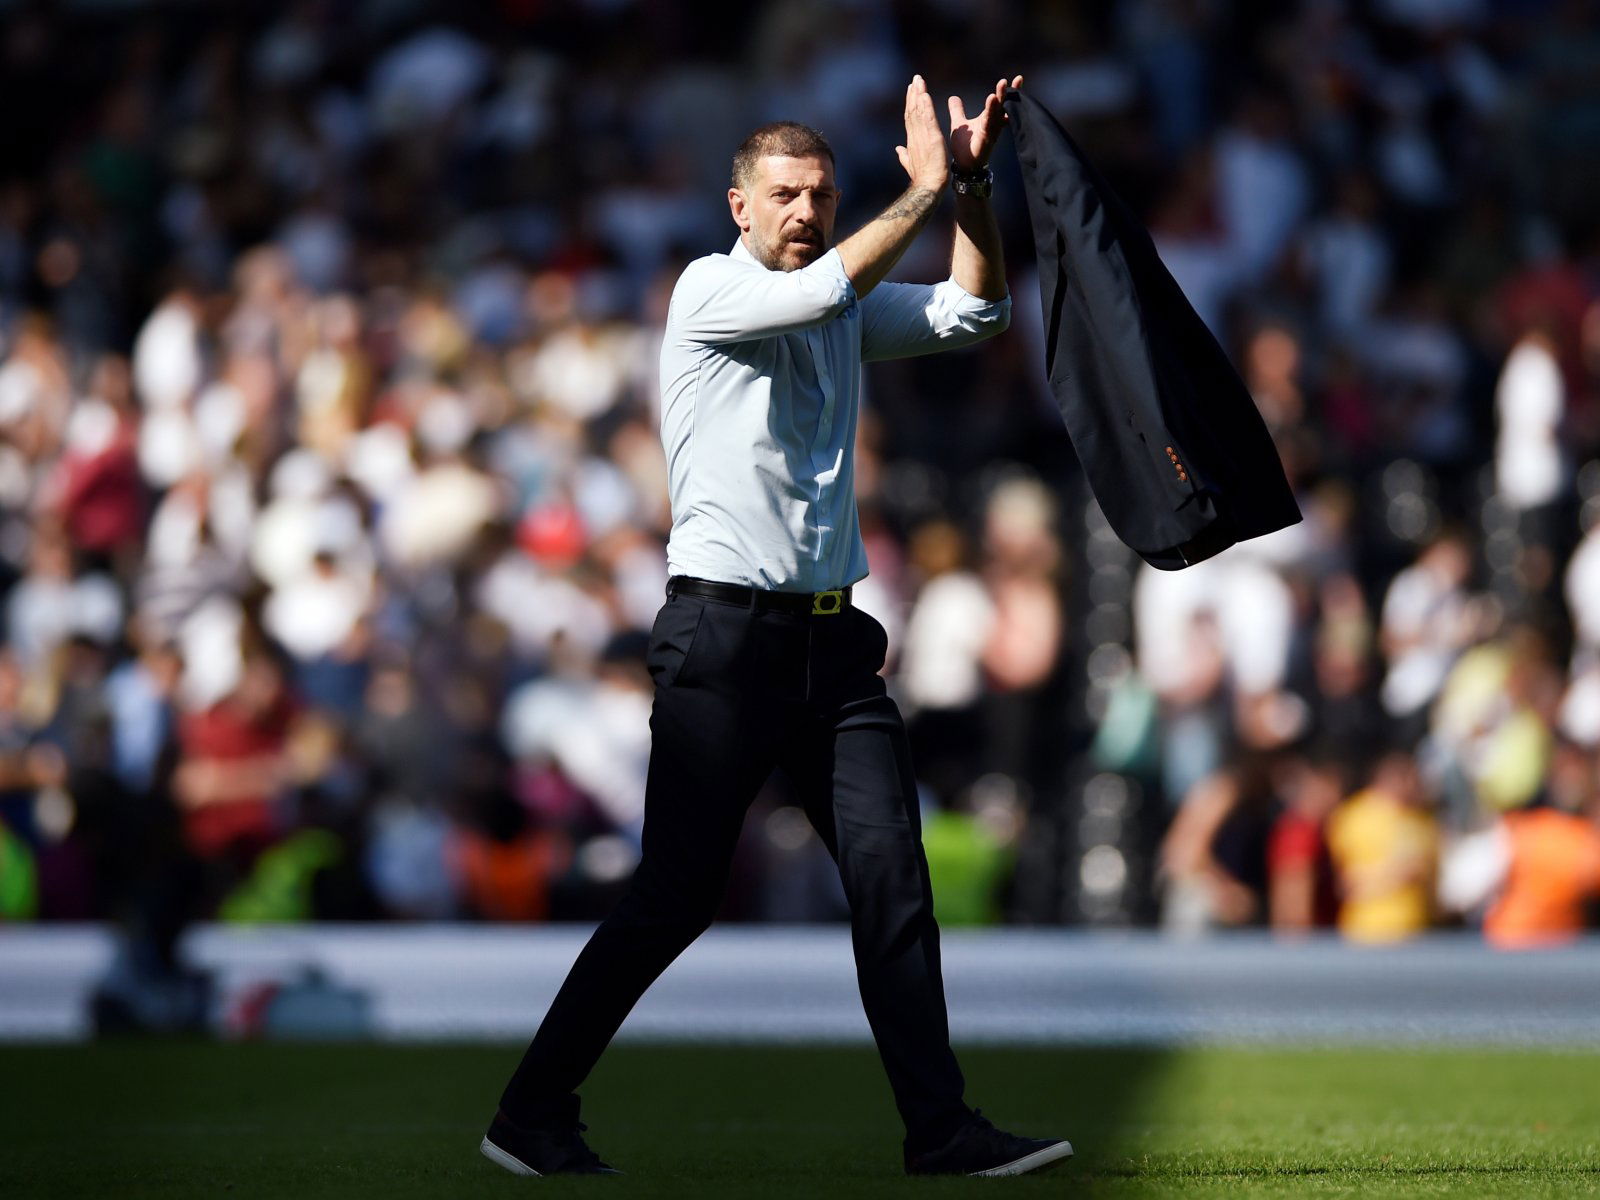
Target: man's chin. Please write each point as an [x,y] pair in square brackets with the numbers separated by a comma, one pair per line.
[799,254]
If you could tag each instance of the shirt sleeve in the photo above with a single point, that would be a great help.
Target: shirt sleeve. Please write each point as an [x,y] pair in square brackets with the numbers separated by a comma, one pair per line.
[719,299]
[1294,842]
[899,320]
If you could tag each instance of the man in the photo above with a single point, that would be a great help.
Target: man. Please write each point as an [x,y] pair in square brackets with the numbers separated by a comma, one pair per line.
[758,657]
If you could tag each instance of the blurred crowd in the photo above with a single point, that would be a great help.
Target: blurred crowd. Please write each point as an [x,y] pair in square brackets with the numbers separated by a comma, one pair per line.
[333,509]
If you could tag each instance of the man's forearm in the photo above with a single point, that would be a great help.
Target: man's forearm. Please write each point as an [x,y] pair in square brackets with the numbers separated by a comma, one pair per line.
[871,252]
[976,262]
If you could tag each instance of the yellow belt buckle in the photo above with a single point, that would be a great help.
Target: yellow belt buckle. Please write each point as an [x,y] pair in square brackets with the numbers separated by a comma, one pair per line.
[825,604]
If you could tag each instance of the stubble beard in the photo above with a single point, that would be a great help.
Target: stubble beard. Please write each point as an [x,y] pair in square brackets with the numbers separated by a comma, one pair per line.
[784,255]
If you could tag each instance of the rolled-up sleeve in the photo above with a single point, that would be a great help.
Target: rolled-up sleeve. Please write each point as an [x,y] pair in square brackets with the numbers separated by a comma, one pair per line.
[902,319]
[719,299]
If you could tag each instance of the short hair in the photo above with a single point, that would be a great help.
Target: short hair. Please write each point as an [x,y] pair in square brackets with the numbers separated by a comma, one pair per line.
[786,139]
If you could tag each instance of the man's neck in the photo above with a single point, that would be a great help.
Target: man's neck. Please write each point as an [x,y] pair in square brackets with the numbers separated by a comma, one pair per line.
[741,250]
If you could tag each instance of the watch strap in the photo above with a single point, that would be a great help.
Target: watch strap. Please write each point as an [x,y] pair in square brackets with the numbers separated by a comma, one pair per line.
[978,183]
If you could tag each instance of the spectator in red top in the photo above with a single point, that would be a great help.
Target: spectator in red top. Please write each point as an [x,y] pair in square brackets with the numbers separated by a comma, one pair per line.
[95,486]
[233,762]
[1301,889]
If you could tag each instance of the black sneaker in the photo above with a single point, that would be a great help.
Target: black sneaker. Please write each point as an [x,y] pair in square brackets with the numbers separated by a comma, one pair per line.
[554,1149]
[978,1148]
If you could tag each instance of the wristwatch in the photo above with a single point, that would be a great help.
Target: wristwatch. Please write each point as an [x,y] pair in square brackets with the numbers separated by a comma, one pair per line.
[979,183]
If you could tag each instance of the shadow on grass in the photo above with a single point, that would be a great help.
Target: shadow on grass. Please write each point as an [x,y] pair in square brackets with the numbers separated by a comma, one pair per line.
[836,1099]
[194,1118]
[1375,1173]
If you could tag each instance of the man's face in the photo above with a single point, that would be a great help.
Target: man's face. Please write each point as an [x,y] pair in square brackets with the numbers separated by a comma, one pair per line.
[786,211]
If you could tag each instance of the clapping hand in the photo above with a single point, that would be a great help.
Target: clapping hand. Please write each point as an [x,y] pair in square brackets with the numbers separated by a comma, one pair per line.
[972,139]
[923,156]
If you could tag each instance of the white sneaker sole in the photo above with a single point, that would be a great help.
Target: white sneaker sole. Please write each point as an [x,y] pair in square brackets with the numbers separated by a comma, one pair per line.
[1030,1162]
[501,1159]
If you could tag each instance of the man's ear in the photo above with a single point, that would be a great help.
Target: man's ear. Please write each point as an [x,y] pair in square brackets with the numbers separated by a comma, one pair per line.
[739,209]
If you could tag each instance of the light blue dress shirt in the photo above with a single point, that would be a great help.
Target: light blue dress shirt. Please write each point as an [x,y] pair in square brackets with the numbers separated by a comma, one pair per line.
[760,381]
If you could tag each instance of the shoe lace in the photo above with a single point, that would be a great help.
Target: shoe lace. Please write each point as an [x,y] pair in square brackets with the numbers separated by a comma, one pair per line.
[577,1149]
[981,1128]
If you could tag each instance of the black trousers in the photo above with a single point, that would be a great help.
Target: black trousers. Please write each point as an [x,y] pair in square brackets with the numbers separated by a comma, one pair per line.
[738,693]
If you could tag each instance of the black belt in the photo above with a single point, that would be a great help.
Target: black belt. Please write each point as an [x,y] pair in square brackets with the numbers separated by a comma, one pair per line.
[815,604]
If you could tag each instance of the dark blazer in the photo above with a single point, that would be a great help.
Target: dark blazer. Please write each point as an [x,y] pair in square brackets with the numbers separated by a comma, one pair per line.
[1167,432]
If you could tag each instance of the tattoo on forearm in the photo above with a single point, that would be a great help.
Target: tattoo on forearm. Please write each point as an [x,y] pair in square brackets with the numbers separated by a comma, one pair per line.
[914,205]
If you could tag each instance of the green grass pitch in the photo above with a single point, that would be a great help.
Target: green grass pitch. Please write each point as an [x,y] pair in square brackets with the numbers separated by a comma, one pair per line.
[182,1119]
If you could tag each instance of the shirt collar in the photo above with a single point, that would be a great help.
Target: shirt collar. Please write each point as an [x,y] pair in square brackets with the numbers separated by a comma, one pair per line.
[742,252]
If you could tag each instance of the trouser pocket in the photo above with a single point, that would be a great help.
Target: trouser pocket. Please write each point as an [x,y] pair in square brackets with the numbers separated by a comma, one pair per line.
[672,640]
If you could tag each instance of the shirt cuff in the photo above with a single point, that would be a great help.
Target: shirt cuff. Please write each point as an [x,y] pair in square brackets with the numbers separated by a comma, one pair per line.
[965,303]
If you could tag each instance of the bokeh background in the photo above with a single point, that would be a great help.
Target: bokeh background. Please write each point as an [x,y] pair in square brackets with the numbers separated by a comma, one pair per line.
[333,510]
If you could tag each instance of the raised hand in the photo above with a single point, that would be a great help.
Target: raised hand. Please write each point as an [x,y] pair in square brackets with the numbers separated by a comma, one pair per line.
[972,139]
[924,156]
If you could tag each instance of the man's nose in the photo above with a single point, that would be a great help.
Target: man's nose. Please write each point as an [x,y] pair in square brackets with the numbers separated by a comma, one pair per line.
[805,208]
